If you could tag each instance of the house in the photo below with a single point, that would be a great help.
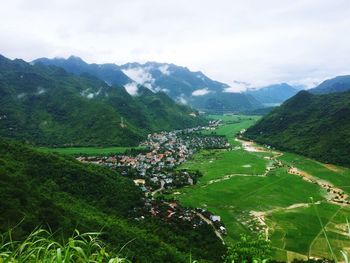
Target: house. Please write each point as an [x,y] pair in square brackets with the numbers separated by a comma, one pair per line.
[215,218]
[140,181]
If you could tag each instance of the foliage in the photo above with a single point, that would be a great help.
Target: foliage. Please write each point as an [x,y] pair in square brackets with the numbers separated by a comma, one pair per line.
[57,192]
[41,246]
[47,106]
[249,249]
[316,126]
[337,84]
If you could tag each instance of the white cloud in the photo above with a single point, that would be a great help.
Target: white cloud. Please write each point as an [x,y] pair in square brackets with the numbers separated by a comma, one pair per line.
[164,69]
[261,42]
[237,87]
[40,91]
[182,100]
[132,88]
[200,92]
[90,95]
[140,76]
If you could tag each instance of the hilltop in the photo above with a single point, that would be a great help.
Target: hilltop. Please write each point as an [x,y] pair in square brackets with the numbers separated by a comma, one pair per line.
[46,105]
[337,84]
[317,126]
[179,83]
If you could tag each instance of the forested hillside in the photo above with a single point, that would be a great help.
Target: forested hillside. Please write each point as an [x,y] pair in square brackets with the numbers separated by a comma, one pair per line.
[45,105]
[51,191]
[179,83]
[317,126]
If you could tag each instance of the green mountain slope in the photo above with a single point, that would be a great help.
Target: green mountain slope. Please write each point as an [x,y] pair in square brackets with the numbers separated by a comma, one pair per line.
[179,83]
[46,105]
[317,126]
[110,73]
[337,84]
[52,191]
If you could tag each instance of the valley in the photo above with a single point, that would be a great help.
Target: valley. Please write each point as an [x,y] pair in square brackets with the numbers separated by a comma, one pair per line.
[256,189]
[213,174]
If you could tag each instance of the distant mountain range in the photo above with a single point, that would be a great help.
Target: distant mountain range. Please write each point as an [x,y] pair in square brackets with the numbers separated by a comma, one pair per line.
[337,84]
[317,126]
[110,73]
[273,94]
[181,84]
[46,105]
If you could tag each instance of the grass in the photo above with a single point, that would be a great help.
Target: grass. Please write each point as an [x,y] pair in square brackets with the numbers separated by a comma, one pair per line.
[41,246]
[294,232]
[90,150]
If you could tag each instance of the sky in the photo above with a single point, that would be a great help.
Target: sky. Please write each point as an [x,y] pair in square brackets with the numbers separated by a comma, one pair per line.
[233,41]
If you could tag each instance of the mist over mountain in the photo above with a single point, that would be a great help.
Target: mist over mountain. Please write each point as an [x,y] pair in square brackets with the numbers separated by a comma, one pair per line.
[46,105]
[181,84]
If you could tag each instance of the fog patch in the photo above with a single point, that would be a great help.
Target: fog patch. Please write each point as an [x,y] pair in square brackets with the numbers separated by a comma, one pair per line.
[182,100]
[132,88]
[90,95]
[200,92]
[40,91]
[140,76]
[164,69]
[21,96]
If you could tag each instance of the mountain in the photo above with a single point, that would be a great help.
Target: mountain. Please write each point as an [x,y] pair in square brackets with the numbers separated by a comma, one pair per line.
[45,105]
[179,83]
[337,84]
[59,193]
[193,88]
[317,126]
[110,73]
[223,102]
[273,94]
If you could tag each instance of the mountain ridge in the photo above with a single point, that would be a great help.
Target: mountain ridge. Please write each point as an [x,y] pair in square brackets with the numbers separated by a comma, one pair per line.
[317,126]
[46,105]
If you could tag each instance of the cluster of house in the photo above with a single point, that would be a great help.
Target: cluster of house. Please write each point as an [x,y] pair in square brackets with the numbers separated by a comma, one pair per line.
[154,170]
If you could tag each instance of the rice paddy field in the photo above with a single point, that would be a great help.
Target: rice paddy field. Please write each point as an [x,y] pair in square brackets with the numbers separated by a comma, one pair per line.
[253,195]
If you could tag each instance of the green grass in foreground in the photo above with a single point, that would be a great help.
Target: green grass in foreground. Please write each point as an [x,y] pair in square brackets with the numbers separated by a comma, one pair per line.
[90,150]
[41,246]
[295,232]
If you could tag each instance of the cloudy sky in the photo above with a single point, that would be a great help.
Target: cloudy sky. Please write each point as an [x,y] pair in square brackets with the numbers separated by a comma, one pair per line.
[255,41]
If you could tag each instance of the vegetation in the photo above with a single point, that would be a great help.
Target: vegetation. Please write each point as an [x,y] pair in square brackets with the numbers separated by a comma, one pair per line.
[231,189]
[61,194]
[249,249]
[41,246]
[316,126]
[337,84]
[47,106]
[179,82]
[92,150]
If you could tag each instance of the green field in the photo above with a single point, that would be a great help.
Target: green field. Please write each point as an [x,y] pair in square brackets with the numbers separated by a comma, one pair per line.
[231,188]
[89,150]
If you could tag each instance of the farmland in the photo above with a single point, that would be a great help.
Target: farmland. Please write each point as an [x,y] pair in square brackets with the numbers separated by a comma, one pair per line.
[255,193]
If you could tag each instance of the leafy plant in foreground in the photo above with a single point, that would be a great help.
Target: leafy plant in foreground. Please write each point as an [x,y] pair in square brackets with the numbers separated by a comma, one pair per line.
[249,249]
[40,246]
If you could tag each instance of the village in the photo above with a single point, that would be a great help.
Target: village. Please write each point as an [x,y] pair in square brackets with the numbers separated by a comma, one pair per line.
[155,170]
